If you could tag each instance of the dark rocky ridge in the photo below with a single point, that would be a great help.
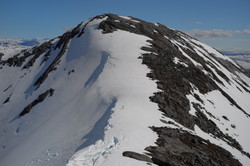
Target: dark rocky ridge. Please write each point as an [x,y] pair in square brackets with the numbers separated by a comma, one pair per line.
[1,55]
[247,72]
[172,100]
[182,148]
[40,99]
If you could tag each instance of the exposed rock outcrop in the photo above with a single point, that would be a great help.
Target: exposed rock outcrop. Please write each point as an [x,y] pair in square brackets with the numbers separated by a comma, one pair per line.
[40,99]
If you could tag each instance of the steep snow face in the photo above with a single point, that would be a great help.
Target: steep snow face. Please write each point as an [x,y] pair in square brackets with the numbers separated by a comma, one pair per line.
[100,104]
[123,81]
[85,98]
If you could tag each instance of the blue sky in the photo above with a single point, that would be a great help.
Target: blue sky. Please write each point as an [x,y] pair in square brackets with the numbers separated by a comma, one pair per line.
[220,23]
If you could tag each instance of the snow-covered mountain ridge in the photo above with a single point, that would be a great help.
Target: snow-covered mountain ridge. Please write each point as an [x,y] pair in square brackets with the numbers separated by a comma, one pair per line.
[242,60]
[10,47]
[242,57]
[116,88]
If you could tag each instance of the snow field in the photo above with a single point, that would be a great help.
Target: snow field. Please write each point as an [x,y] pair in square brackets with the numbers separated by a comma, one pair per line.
[99,109]
[128,127]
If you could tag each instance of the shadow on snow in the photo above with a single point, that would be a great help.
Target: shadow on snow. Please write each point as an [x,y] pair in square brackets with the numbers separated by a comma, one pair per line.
[93,77]
[98,130]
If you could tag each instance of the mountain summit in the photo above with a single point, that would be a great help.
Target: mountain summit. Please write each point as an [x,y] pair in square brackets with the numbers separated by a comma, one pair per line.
[122,91]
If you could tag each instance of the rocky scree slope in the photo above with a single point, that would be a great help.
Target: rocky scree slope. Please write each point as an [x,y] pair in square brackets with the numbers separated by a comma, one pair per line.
[202,95]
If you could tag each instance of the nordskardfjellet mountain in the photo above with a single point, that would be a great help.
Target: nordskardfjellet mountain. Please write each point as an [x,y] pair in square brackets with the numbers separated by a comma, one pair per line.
[121,91]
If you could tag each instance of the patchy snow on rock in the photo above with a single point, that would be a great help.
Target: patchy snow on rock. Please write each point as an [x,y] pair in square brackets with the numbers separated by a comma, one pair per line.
[185,54]
[125,17]
[227,117]
[177,60]
[156,24]
[213,51]
[135,21]
[133,26]
[242,158]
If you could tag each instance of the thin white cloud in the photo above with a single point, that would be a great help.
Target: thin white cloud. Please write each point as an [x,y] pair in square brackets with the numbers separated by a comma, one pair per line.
[227,42]
[197,33]
[198,22]
[246,31]
[228,39]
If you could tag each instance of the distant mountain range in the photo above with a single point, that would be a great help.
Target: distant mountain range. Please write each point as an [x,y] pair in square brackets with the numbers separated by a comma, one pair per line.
[9,46]
[241,56]
[21,42]
[233,52]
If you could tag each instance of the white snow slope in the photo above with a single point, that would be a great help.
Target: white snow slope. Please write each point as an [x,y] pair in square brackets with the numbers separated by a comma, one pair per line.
[108,88]
[100,106]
